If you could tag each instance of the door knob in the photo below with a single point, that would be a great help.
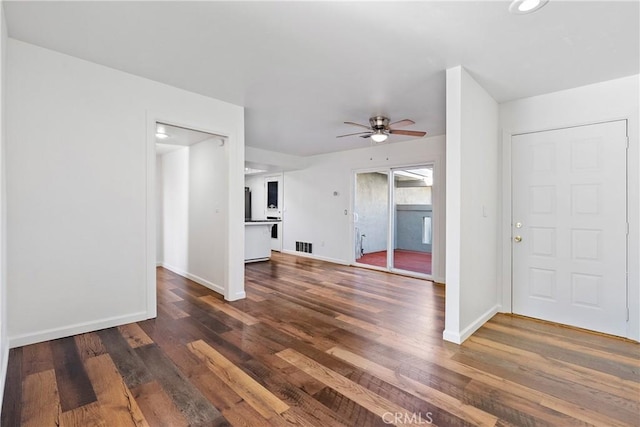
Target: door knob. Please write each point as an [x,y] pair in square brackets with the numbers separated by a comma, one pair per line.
[517,239]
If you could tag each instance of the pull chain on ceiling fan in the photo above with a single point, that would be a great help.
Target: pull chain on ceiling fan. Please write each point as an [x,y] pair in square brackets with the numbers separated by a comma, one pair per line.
[379,129]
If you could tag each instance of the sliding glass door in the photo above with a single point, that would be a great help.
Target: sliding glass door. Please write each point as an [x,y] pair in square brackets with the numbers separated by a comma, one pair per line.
[393,219]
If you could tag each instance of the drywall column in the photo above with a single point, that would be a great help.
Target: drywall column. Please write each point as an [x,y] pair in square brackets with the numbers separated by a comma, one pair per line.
[471,206]
[234,253]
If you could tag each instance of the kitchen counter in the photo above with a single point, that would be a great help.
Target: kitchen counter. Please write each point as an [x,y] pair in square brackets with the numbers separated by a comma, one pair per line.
[257,239]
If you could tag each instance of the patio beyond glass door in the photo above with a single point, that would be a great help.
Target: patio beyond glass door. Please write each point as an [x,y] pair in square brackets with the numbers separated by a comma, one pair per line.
[393,219]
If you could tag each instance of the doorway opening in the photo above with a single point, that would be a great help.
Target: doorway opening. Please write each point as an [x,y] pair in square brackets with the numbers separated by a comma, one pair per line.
[393,219]
[191,193]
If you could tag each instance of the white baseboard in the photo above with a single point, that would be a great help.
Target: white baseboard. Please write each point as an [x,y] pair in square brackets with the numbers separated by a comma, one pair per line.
[79,328]
[199,280]
[312,256]
[237,296]
[460,337]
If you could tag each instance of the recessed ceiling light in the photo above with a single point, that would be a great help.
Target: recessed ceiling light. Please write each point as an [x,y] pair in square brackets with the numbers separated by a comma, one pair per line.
[521,7]
[161,135]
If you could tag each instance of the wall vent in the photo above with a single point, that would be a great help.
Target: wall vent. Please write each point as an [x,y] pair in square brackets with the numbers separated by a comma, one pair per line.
[304,247]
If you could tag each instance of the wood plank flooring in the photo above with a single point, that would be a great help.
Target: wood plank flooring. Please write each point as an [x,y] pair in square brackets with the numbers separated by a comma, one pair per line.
[318,344]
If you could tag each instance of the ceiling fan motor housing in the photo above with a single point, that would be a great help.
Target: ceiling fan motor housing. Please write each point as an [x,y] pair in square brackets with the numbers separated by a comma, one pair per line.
[379,123]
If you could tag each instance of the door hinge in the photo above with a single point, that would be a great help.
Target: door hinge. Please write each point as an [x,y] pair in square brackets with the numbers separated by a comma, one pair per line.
[627,314]
[627,228]
[627,138]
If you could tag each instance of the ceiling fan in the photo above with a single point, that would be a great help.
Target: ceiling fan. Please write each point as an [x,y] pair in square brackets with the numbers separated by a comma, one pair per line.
[379,129]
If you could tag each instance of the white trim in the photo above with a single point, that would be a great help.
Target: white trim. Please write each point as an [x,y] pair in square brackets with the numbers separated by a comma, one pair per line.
[78,328]
[199,280]
[237,296]
[460,337]
[370,267]
[151,207]
[319,258]
[504,291]
[439,279]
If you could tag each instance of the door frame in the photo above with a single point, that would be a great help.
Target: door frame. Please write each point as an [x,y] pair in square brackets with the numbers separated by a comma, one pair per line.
[233,285]
[633,185]
[438,221]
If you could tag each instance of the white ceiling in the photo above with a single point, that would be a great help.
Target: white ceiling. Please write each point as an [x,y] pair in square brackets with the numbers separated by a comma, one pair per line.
[303,68]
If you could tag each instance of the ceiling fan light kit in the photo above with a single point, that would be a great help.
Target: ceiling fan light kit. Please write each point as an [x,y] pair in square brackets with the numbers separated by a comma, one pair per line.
[380,128]
[379,136]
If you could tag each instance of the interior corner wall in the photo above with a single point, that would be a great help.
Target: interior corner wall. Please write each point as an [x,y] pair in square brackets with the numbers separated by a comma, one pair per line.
[175,210]
[195,180]
[80,178]
[4,342]
[159,212]
[318,198]
[472,206]
[605,101]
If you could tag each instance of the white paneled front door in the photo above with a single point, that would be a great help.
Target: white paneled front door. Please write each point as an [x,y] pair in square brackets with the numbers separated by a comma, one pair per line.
[569,226]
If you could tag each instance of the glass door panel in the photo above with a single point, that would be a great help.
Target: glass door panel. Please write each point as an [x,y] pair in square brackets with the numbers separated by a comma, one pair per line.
[371,218]
[412,219]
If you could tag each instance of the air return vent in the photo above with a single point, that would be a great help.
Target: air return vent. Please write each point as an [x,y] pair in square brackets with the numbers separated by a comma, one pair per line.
[304,247]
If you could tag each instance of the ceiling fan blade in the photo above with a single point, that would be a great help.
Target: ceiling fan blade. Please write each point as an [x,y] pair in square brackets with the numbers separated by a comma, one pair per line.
[366,136]
[407,132]
[351,134]
[357,124]
[400,123]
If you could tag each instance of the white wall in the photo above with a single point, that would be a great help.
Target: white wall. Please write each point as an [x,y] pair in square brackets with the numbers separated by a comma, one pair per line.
[80,191]
[175,210]
[258,197]
[313,214]
[4,342]
[159,214]
[272,161]
[472,206]
[194,218]
[610,100]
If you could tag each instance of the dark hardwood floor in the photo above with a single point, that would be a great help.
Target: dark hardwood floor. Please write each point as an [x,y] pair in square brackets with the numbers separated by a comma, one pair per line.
[318,344]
